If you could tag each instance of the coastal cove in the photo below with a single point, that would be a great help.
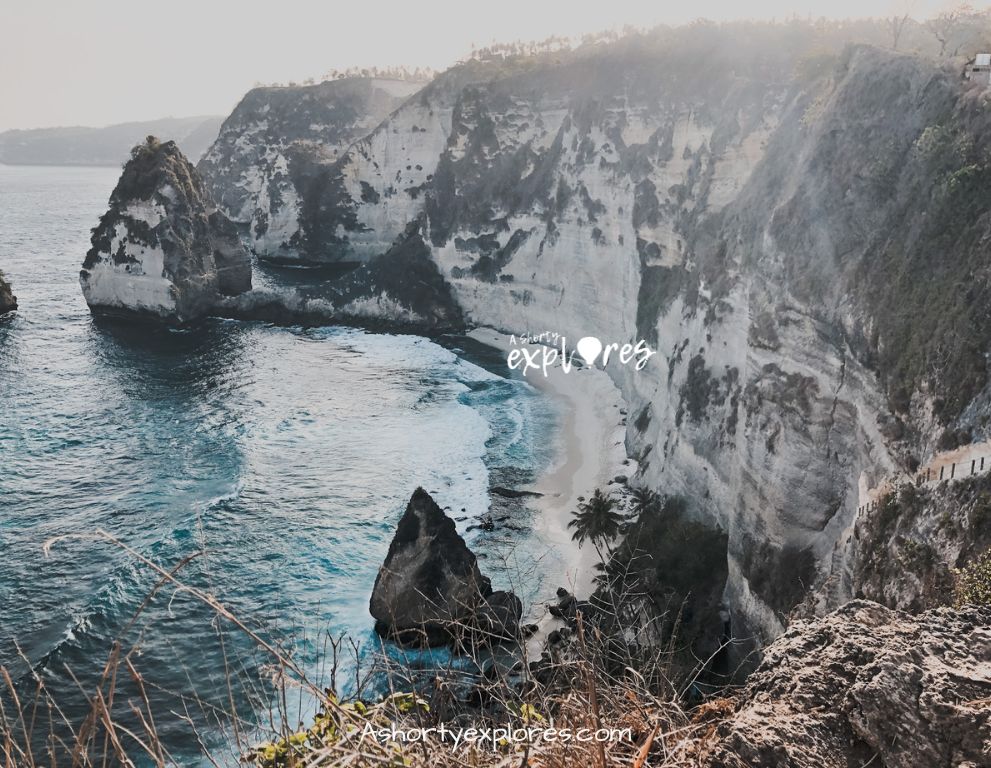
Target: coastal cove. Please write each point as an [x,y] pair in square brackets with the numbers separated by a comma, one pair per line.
[599,401]
[285,455]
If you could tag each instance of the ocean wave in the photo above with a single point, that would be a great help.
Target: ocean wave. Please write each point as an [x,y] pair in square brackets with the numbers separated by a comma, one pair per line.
[286,454]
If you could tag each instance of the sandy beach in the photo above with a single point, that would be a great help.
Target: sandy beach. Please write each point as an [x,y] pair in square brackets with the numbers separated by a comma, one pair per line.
[590,454]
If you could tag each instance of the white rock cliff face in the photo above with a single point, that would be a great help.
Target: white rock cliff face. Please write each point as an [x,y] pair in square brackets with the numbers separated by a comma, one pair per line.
[275,145]
[140,281]
[736,218]
[162,250]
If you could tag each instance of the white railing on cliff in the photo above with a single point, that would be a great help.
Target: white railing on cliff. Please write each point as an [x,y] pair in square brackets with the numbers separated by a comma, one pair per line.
[958,464]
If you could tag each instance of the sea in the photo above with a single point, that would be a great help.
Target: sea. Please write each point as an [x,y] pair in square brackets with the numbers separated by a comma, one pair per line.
[146,472]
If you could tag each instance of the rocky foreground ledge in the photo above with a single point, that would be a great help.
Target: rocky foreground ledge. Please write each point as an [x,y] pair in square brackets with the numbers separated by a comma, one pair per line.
[163,250]
[8,301]
[866,685]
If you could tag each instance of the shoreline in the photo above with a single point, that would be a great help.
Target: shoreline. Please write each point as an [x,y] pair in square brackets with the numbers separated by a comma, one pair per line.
[590,453]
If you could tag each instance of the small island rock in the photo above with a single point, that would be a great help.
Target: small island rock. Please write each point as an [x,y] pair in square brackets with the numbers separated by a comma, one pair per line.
[8,301]
[430,590]
[163,249]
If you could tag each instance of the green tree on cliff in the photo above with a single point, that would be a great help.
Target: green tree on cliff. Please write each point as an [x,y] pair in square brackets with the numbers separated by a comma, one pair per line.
[972,583]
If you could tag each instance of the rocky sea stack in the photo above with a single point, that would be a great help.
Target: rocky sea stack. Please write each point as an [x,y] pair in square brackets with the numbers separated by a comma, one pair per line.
[163,249]
[430,591]
[8,301]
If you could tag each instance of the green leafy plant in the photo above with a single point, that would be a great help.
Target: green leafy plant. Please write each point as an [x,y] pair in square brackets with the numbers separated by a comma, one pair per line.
[972,583]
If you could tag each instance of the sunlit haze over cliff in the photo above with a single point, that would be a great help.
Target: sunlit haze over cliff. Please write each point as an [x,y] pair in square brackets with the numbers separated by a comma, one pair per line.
[96,63]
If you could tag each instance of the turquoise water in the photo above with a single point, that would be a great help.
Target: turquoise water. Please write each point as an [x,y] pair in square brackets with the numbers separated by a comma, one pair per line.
[284,456]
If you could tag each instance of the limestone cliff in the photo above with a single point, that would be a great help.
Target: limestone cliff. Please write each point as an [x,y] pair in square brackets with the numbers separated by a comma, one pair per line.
[276,155]
[8,301]
[818,341]
[802,238]
[163,249]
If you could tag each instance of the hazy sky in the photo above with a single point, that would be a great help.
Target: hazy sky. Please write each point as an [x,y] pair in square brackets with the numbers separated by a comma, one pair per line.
[96,62]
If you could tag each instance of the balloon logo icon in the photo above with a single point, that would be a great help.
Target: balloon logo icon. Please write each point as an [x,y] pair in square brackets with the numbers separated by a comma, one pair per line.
[589,348]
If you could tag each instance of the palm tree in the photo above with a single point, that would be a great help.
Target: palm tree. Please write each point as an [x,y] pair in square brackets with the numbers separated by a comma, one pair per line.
[645,501]
[597,521]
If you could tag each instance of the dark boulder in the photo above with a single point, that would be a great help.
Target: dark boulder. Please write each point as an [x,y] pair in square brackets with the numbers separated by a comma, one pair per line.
[430,591]
[512,493]
[568,607]
[8,301]
[497,618]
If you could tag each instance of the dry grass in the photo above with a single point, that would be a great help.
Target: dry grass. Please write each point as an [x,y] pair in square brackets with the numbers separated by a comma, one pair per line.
[587,682]
[574,693]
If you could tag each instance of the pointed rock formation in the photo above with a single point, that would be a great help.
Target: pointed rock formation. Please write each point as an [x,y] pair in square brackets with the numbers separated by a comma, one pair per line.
[430,591]
[163,249]
[8,301]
